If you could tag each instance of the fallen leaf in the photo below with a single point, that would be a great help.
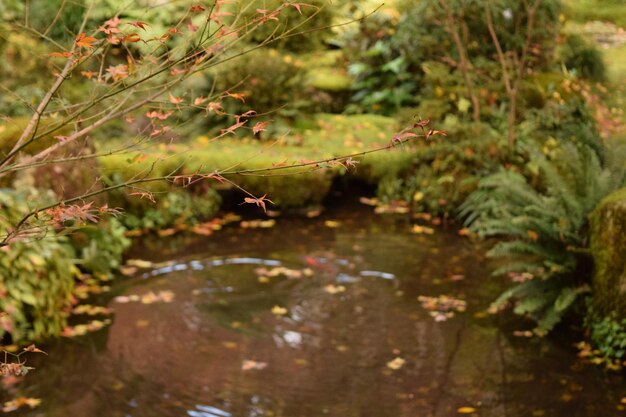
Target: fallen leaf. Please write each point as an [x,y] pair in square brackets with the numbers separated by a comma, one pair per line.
[333,224]
[334,289]
[279,311]
[396,363]
[466,410]
[248,365]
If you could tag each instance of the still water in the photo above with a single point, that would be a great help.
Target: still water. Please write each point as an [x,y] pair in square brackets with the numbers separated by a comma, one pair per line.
[307,320]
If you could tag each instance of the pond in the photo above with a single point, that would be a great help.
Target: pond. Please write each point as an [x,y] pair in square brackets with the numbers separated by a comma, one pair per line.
[315,317]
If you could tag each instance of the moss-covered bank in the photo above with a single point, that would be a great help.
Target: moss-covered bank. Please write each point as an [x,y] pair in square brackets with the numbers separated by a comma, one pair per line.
[608,247]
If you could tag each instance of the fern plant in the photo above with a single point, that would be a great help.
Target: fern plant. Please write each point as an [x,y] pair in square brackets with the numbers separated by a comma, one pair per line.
[543,217]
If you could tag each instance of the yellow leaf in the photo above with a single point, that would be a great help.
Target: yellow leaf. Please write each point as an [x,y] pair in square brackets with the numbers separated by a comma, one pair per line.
[334,289]
[332,224]
[248,365]
[466,410]
[279,311]
[396,363]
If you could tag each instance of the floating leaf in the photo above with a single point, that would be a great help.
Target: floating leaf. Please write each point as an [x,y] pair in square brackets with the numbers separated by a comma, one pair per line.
[279,311]
[396,363]
[248,365]
[334,289]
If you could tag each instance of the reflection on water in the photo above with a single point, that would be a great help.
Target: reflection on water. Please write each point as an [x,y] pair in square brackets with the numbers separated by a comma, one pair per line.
[302,321]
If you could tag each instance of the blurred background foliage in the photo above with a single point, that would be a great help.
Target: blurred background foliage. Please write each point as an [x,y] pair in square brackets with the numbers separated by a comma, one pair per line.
[342,89]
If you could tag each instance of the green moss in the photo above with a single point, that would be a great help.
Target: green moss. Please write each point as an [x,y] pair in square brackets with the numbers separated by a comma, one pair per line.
[607,10]
[11,130]
[329,79]
[608,247]
[328,136]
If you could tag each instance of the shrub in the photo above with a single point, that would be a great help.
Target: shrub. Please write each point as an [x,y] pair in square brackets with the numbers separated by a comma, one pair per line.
[36,278]
[582,58]
[175,207]
[271,81]
[311,15]
[544,217]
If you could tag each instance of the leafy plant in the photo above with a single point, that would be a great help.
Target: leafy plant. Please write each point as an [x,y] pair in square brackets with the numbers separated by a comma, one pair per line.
[608,333]
[176,207]
[36,278]
[101,246]
[544,217]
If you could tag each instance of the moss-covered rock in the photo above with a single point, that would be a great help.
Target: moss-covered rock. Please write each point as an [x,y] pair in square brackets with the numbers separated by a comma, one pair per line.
[608,247]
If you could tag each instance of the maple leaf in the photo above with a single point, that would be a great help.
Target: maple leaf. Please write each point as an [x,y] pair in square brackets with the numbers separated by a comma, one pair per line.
[85,41]
[33,348]
[349,163]
[271,16]
[233,128]
[191,26]
[216,107]
[140,25]
[177,71]
[60,54]
[112,23]
[236,96]
[260,127]
[158,115]
[297,6]
[249,113]
[216,176]
[436,132]
[404,134]
[147,195]
[118,72]
[260,202]
[421,123]
[132,38]
[88,74]
[157,132]
[175,100]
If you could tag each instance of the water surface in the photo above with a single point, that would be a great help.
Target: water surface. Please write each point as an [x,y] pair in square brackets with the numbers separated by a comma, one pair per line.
[219,350]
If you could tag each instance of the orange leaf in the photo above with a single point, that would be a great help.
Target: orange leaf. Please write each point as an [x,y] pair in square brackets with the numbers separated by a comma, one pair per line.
[216,107]
[140,25]
[132,38]
[260,202]
[175,100]
[237,96]
[85,41]
[532,235]
[88,74]
[60,54]
[260,127]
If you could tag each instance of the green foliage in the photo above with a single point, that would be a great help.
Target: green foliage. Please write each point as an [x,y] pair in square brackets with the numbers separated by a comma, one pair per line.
[384,81]
[312,20]
[36,278]
[175,207]
[583,59]
[544,217]
[101,246]
[608,333]
[443,172]
[270,80]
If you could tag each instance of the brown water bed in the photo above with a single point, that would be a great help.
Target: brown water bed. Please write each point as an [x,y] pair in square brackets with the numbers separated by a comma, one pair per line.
[347,338]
